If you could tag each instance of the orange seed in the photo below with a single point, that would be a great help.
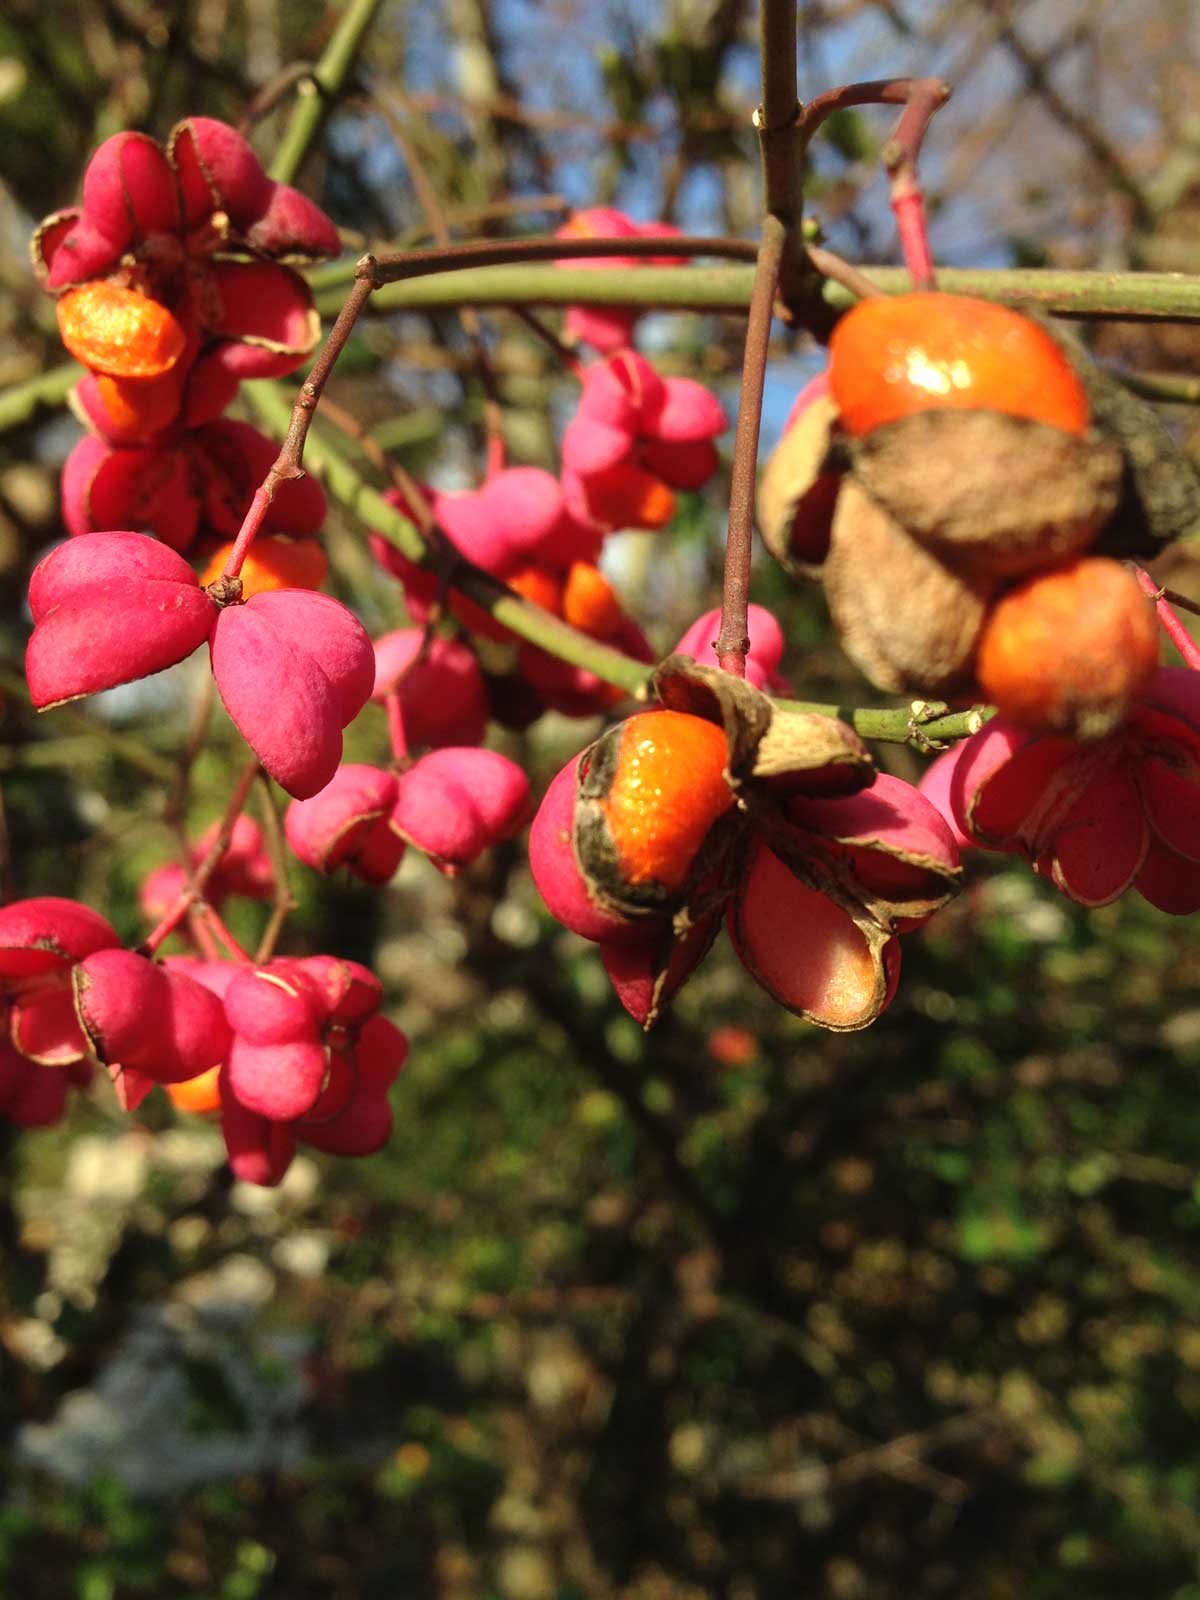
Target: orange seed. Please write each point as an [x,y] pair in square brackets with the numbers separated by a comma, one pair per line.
[119,332]
[892,356]
[274,563]
[1068,650]
[667,791]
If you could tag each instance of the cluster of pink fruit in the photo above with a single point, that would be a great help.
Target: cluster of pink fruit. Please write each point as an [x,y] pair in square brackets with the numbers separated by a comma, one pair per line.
[634,440]
[173,284]
[715,804]
[291,1051]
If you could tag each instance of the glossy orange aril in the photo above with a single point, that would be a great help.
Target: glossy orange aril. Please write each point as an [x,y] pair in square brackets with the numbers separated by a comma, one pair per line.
[119,332]
[1068,650]
[892,356]
[590,602]
[201,1095]
[141,405]
[667,791]
[273,563]
[625,496]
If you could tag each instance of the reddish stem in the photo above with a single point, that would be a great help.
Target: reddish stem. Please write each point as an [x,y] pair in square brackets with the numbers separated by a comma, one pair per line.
[193,894]
[396,730]
[1168,621]
[212,919]
[287,464]
[908,199]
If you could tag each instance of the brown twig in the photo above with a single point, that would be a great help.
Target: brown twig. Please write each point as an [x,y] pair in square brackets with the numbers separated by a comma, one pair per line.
[900,159]
[837,270]
[567,357]
[733,640]
[193,893]
[781,145]
[287,464]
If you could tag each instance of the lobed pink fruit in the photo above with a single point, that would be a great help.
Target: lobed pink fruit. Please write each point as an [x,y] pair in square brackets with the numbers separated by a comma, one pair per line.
[294,668]
[44,1027]
[1096,819]
[443,696]
[267,1006]
[456,803]
[151,1020]
[347,824]
[48,934]
[203,480]
[806,951]
[109,609]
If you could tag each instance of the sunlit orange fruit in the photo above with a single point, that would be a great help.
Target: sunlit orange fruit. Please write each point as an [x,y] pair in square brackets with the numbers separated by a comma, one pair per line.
[590,602]
[892,356]
[119,332]
[625,496]
[141,405]
[274,563]
[667,790]
[197,1095]
[1068,650]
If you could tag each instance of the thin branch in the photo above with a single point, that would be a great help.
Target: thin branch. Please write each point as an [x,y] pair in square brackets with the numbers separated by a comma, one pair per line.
[1130,296]
[193,893]
[733,640]
[1167,620]
[781,143]
[317,92]
[287,464]
[285,900]
[1171,388]
[396,266]
[272,92]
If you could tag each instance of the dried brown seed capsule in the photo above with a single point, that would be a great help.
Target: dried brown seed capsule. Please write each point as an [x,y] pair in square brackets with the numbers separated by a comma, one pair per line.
[992,495]
[905,619]
[798,491]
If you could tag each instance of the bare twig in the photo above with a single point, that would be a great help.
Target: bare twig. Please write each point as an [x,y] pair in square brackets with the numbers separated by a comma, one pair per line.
[733,640]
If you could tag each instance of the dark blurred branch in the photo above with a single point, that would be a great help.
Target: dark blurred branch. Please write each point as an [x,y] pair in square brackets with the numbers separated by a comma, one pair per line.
[1107,157]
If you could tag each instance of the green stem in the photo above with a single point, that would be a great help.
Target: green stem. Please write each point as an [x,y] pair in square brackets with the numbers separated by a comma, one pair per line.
[22,401]
[901,724]
[1153,296]
[270,403]
[314,94]
[1170,388]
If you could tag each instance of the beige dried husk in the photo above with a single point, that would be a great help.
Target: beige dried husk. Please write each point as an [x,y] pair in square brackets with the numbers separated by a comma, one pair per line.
[906,620]
[797,490]
[993,496]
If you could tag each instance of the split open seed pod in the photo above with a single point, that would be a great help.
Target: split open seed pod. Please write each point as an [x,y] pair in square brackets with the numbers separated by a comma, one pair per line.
[993,496]
[799,489]
[905,619]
